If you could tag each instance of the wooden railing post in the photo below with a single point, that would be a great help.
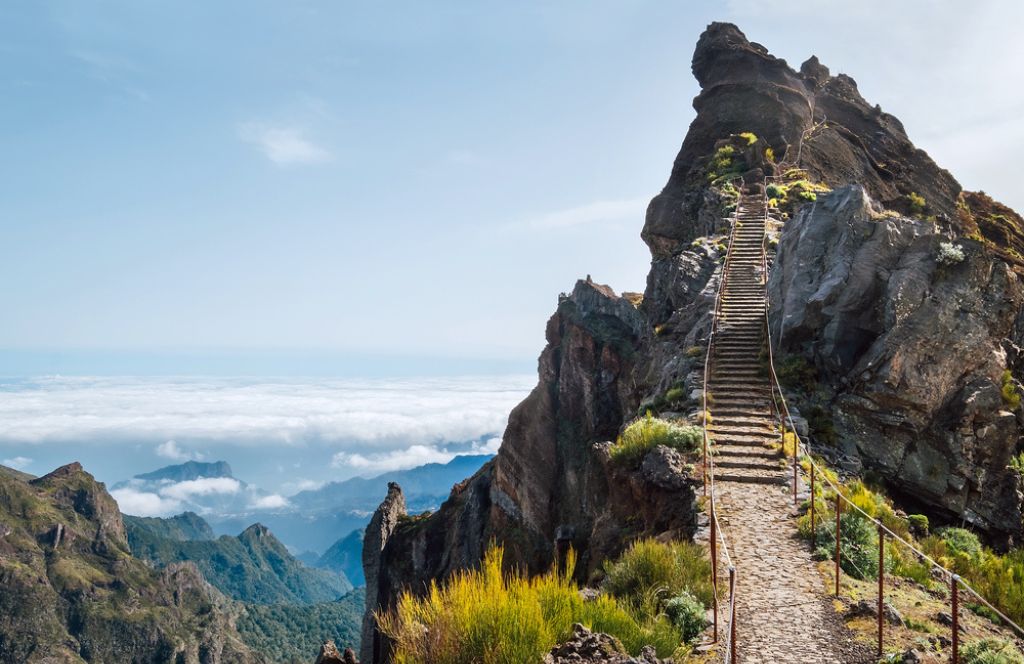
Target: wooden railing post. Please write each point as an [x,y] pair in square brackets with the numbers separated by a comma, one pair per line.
[714,567]
[814,532]
[954,584]
[839,509]
[732,611]
[705,473]
[881,583]
[795,446]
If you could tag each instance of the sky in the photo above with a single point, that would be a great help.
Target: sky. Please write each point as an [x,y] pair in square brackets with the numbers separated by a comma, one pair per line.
[341,191]
[261,180]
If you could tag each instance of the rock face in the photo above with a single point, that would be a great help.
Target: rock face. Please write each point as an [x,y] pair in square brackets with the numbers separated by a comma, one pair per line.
[807,116]
[552,484]
[911,352]
[73,593]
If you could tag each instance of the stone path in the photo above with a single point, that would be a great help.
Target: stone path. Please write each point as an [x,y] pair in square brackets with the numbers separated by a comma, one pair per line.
[783,612]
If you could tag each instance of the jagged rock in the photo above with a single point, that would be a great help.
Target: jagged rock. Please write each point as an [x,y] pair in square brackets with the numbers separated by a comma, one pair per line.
[666,468]
[329,655]
[911,352]
[378,532]
[596,648]
[839,136]
[864,608]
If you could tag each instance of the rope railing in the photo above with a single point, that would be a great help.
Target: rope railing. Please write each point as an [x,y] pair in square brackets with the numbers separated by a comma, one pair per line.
[717,534]
[801,447]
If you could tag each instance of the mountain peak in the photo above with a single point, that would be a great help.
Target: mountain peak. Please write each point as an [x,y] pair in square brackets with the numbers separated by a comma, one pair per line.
[190,470]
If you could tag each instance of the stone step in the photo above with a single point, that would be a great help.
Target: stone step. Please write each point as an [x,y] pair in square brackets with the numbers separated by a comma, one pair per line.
[753,463]
[746,476]
[754,438]
[723,451]
[722,421]
[763,431]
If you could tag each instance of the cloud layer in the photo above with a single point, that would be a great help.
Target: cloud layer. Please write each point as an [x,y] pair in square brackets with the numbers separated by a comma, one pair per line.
[367,416]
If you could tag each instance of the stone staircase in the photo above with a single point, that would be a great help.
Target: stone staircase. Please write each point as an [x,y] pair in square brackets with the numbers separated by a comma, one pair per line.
[740,393]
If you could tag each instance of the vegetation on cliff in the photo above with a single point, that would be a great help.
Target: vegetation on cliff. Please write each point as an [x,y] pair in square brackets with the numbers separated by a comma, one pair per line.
[290,633]
[495,616]
[253,567]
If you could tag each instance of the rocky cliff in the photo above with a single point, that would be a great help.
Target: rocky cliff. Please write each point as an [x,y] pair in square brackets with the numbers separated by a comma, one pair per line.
[73,592]
[908,348]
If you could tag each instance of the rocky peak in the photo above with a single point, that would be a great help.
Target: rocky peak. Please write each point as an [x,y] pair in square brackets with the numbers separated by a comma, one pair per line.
[809,119]
[72,488]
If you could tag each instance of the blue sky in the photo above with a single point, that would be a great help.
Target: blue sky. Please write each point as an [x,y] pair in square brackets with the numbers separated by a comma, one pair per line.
[245,183]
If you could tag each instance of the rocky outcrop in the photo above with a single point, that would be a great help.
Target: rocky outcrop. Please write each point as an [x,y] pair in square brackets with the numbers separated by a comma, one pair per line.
[72,592]
[596,648]
[378,532]
[329,655]
[909,352]
[552,484]
[808,118]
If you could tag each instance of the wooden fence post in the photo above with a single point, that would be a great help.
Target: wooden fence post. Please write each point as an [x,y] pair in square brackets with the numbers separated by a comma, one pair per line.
[881,583]
[839,509]
[954,584]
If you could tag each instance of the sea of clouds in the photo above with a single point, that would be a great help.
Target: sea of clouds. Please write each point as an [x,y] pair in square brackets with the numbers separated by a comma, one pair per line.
[345,426]
[375,412]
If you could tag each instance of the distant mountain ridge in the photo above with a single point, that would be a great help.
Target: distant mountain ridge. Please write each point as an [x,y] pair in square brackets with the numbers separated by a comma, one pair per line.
[425,486]
[253,567]
[190,470]
[346,557]
[185,527]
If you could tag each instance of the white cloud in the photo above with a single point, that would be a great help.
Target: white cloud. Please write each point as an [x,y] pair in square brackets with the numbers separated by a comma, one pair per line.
[630,210]
[302,485]
[273,501]
[285,146]
[410,457]
[364,415]
[170,450]
[204,486]
[18,462]
[144,503]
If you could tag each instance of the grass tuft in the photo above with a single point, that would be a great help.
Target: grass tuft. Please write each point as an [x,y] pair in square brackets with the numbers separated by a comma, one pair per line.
[648,432]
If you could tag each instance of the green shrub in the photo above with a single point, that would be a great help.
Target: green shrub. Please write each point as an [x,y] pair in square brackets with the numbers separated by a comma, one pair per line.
[695,351]
[821,425]
[485,615]
[1017,463]
[648,432]
[796,373]
[650,572]
[918,524]
[775,191]
[858,544]
[675,394]
[916,203]
[991,651]
[1011,395]
[960,541]
[749,137]
[688,614]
